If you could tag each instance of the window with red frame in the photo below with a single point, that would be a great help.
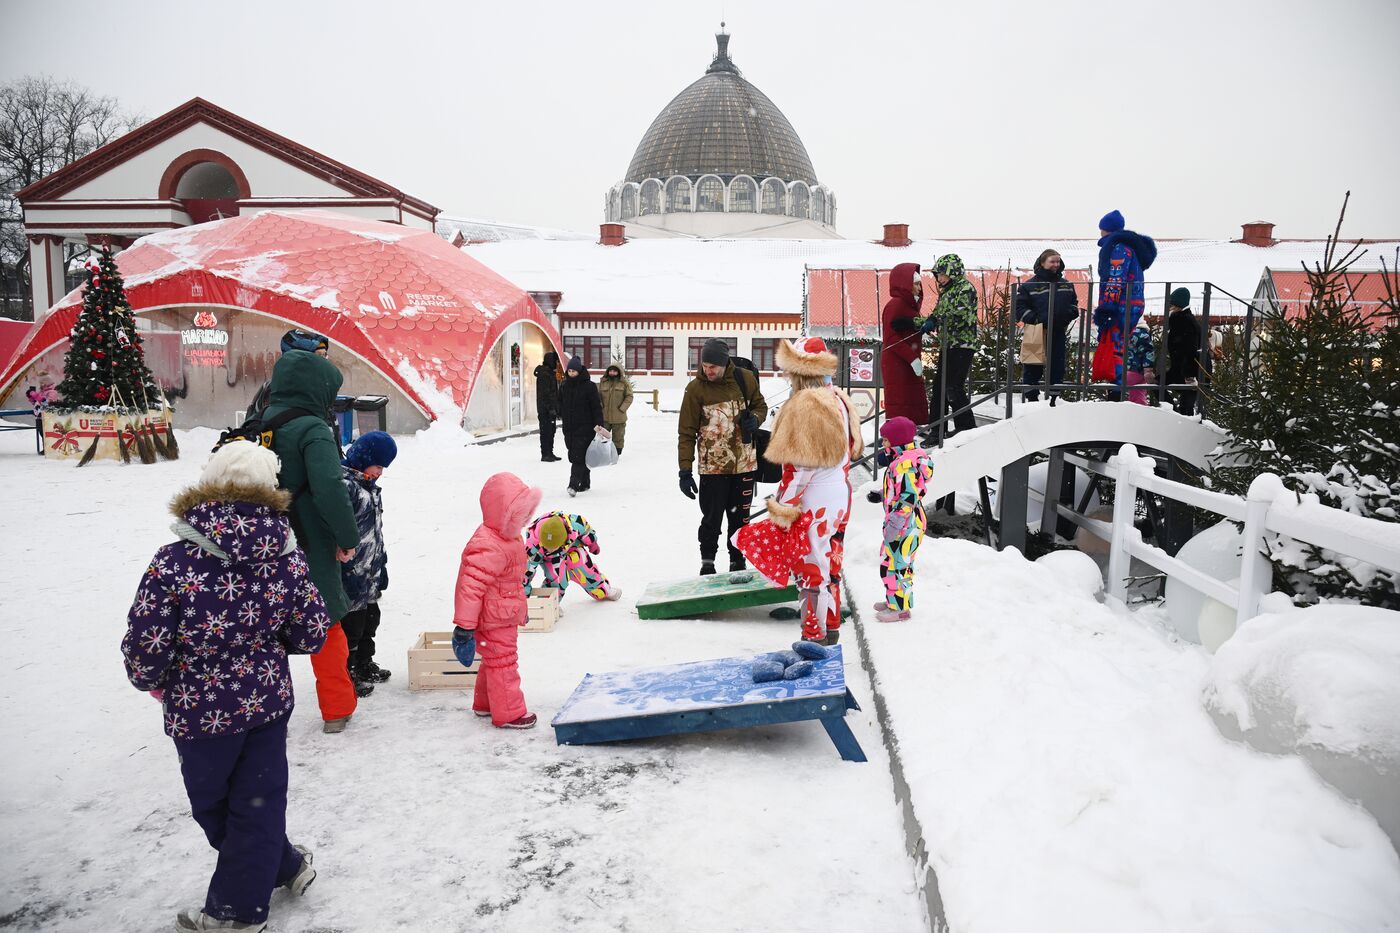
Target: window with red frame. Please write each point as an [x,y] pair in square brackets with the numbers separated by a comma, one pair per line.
[650,353]
[698,343]
[765,354]
[596,352]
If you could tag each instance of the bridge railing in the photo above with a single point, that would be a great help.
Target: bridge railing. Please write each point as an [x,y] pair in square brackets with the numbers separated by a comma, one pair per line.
[1264,511]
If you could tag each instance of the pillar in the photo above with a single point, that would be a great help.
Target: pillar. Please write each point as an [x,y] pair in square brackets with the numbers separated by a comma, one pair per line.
[45,272]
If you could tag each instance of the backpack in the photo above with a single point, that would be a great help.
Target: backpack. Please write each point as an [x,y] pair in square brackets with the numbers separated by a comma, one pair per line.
[258,429]
[767,472]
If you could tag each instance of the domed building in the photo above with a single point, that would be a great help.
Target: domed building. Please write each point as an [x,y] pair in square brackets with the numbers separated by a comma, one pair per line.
[721,160]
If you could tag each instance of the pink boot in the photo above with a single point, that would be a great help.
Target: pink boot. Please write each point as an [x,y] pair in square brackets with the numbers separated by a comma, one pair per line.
[892,615]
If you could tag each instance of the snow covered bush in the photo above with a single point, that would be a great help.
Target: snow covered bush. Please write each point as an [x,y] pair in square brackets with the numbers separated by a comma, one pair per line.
[1323,682]
[1316,400]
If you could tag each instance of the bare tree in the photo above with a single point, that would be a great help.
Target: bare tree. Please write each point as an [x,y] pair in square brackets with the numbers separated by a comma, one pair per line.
[44,125]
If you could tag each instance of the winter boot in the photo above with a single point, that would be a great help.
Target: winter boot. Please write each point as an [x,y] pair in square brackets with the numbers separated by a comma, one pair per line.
[572,492]
[892,615]
[483,713]
[371,672]
[882,605]
[363,688]
[707,567]
[305,874]
[195,920]
[550,458]
[613,594]
[333,726]
[832,637]
[524,722]
[735,565]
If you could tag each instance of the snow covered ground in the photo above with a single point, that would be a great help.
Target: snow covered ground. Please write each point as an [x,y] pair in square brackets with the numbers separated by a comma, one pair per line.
[1063,769]
[422,816]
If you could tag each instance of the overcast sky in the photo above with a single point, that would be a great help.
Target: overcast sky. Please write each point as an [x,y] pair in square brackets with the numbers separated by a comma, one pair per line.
[971,118]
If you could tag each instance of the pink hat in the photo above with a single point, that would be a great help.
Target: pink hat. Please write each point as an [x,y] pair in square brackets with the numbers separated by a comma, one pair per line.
[898,431]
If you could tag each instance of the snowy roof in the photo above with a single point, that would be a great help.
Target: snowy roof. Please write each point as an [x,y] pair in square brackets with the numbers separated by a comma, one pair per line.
[759,276]
[489,231]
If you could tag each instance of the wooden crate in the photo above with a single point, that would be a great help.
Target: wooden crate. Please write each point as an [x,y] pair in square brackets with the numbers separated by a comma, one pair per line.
[544,609]
[433,666]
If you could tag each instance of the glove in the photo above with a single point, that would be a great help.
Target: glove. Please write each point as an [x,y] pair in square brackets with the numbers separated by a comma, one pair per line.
[918,367]
[929,326]
[464,645]
[748,423]
[688,483]
[384,579]
[158,694]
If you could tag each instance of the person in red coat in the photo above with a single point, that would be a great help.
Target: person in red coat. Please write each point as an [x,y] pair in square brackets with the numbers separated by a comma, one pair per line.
[900,363]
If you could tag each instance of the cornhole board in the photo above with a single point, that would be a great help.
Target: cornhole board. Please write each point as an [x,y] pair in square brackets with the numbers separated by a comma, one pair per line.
[705,696]
[719,591]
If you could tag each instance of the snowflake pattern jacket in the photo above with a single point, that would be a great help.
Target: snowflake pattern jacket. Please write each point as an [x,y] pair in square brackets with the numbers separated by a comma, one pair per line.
[217,612]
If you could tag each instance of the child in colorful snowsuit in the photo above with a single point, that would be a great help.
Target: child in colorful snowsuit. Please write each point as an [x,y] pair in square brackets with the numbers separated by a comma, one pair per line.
[1141,362]
[905,481]
[208,635]
[563,545]
[490,600]
[366,575]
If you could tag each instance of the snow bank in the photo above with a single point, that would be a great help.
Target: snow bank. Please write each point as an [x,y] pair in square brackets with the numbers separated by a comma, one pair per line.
[1074,571]
[1324,682]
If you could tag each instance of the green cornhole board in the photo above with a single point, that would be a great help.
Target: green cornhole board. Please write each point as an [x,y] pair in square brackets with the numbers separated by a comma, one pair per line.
[714,593]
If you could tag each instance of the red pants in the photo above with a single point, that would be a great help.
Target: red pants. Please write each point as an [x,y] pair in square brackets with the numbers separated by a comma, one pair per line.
[334,691]
[498,682]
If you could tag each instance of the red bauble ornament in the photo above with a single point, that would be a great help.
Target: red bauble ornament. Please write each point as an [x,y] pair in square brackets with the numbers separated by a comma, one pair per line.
[101,393]
[98,355]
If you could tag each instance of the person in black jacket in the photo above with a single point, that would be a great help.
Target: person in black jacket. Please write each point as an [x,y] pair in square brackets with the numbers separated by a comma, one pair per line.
[1045,296]
[1183,350]
[581,412]
[547,403]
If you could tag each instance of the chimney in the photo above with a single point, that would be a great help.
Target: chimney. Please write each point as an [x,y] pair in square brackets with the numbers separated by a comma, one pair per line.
[896,235]
[611,234]
[1259,233]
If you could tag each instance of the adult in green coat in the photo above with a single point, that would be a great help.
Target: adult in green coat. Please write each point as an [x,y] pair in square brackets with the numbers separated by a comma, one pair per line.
[322,517]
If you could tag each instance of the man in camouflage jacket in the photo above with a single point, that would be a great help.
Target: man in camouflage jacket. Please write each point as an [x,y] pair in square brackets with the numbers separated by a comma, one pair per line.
[954,319]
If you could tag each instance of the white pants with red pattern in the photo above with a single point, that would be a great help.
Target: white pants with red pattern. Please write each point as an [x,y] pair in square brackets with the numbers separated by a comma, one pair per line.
[826,494]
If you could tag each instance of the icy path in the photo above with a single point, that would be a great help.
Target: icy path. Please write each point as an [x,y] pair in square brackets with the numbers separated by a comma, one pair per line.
[422,817]
[1067,778]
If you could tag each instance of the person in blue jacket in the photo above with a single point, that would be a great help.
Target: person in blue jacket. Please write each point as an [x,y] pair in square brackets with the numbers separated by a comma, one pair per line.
[1124,257]
[366,575]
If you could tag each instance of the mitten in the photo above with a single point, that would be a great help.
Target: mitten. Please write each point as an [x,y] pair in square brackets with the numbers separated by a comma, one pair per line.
[918,367]
[158,693]
[811,650]
[688,483]
[798,670]
[765,671]
[464,645]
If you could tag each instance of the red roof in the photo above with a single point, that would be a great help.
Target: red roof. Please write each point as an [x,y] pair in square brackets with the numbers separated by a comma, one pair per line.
[1366,290]
[854,298]
[425,315]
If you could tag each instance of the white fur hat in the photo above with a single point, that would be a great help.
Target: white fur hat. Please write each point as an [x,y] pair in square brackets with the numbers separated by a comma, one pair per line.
[806,356]
[242,463]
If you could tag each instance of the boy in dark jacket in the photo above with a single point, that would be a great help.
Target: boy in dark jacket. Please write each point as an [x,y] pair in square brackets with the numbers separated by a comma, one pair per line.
[581,411]
[366,575]
[547,403]
[208,635]
[1183,350]
[321,515]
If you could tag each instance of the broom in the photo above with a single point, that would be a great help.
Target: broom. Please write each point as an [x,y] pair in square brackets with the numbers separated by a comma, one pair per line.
[155,439]
[144,447]
[91,452]
[122,447]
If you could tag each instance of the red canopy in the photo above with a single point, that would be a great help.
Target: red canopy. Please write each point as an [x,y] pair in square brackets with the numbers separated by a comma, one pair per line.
[422,313]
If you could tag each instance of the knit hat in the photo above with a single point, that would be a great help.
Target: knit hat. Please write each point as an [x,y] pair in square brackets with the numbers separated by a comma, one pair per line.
[295,339]
[576,364]
[898,431]
[242,463]
[372,449]
[553,533]
[1112,222]
[715,352]
[806,356]
[1180,298]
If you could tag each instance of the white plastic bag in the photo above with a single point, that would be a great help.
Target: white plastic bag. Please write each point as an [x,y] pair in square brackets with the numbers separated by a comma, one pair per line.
[600,453]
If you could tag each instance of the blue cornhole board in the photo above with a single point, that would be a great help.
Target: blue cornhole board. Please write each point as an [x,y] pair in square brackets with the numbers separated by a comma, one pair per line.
[705,696]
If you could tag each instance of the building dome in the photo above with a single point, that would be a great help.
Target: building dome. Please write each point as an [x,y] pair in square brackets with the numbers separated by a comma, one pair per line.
[721,125]
[721,160]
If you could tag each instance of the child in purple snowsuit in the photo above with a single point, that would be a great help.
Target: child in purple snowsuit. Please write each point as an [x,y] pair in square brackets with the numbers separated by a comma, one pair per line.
[214,618]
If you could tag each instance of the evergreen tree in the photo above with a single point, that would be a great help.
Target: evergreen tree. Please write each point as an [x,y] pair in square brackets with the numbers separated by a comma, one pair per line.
[106,365]
[1317,401]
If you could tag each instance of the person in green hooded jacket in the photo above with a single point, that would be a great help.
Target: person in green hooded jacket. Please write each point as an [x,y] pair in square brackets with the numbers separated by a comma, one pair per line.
[321,515]
[954,319]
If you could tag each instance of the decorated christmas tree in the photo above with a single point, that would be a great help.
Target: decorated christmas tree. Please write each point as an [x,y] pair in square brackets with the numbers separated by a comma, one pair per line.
[105,376]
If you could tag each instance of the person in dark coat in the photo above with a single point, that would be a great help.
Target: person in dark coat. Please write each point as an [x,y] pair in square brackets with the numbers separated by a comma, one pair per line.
[1049,300]
[321,515]
[581,414]
[547,403]
[901,365]
[208,634]
[1124,257]
[1183,350]
[365,576]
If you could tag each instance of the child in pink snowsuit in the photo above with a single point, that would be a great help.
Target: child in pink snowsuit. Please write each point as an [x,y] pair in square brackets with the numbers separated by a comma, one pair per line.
[491,604]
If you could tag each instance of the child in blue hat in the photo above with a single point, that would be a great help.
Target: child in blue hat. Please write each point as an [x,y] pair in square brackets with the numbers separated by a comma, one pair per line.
[366,575]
